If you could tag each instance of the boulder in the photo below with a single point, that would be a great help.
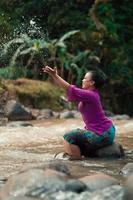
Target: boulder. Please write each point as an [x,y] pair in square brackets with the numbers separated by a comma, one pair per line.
[128,192]
[19,124]
[114,192]
[112,151]
[15,111]
[99,181]
[20,198]
[45,114]
[66,115]
[59,166]
[20,184]
[127,170]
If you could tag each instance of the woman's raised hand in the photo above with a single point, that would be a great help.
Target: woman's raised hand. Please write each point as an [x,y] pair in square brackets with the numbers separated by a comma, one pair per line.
[50,71]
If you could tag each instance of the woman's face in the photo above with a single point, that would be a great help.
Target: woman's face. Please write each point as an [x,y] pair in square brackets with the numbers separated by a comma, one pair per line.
[87,81]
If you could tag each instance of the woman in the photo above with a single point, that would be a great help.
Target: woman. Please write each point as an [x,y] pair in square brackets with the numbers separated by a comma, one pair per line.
[99,130]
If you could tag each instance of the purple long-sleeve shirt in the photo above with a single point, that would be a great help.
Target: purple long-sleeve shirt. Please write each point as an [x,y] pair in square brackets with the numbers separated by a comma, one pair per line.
[89,104]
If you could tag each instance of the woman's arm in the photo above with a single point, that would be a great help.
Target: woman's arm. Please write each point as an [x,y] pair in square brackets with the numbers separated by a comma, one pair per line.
[53,73]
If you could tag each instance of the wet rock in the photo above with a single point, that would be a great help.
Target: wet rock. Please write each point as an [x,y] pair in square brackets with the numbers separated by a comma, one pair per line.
[20,184]
[114,192]
[113,151]
[84,195]
[50,185]
[3,121]
[20,198]
[66,115]
[59,166]
[99,181]
[1,112]
[53,173]
[127,170]
[121,117]
[63,196]
[75,186]
[15,111]
[45,114]
[128,192]
[19,124]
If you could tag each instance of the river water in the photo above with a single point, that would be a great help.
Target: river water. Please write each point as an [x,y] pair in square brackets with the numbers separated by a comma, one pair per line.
[34,146]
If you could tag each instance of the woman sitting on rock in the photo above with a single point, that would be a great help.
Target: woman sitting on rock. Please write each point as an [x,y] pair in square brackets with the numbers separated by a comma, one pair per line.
[99,130]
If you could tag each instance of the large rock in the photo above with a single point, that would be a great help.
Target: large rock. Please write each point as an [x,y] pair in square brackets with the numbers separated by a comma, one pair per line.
[99,181]
[45,114]
[66,115]
[114,192]
[20,198]
[15,111]
[20,184]
[113,151]
[59,166]
[128,193]
[127,170]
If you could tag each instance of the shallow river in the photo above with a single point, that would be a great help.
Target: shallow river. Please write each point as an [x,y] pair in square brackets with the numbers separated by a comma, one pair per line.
[26,147]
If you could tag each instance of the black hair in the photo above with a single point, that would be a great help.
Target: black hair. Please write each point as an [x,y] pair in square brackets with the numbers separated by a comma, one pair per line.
[99,77]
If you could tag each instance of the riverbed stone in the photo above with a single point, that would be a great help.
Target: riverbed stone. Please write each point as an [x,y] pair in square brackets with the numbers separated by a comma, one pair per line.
[59,166]
[112,151]
[114,192]
[75,186]
[66,115]
[127,170]
[45,114]
[99,181]
[128,192]
[18,124]
[121,117]
[53,173]
[16,111]
[20,198]
[61,195]
[19,184]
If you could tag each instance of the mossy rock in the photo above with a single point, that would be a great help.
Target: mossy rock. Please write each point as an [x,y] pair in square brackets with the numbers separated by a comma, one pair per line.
[34,93]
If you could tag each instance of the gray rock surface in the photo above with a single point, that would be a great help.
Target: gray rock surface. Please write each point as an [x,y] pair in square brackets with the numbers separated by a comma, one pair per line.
[15,111]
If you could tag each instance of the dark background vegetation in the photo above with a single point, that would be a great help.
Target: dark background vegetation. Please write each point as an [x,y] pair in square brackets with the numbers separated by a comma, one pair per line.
[102,40]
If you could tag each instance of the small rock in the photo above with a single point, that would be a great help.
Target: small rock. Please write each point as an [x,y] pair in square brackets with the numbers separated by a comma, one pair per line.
[59,166]
[75,186]
[121,117]
[66,115]
[99,181]
[84,196]
[53,173]
[15,111]
[128,192]
[3,121]
[45,114]
[112,151]
[127,170]
[114,192]
[19,124]
[61,195]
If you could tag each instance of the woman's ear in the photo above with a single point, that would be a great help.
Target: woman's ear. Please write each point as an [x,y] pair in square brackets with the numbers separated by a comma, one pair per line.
[92,83]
